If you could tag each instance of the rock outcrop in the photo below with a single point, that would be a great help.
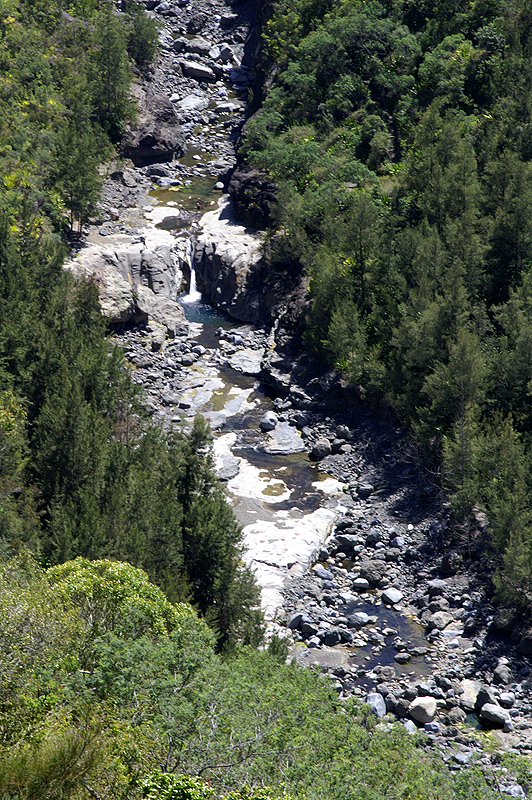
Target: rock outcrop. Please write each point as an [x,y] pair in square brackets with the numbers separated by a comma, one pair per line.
[156,136]
[229,264]
[134,284]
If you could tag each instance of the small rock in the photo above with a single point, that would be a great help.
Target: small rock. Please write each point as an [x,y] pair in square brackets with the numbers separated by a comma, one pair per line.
[392,596]
[321,572]
[269,421]
[360,584]
[321,449]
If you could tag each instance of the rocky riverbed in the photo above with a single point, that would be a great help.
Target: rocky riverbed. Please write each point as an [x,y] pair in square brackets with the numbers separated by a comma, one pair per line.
[346,531]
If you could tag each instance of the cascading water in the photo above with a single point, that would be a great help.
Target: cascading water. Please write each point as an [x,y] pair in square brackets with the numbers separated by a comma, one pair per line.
[193,295]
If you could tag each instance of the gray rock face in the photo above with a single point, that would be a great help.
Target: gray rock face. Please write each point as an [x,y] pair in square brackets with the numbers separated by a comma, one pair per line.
[229,265]
[134,284]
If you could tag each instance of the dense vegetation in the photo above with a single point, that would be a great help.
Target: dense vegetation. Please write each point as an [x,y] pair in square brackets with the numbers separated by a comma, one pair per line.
[82,470]
[112,686]
[400,134]
[110,691]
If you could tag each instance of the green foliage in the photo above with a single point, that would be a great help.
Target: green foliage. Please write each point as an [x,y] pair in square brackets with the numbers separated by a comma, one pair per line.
[175,787]
[401,137]
[142,34]
[109,72]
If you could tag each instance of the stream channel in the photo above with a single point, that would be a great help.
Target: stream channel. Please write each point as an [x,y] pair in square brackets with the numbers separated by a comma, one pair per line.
[287,507]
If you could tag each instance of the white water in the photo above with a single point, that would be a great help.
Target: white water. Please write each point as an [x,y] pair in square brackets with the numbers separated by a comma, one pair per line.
[193,295]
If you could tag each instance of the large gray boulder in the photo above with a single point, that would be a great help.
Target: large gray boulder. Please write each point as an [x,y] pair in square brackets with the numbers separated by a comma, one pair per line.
[391,596]
[156,135]
[268,421]
[494,714]
[373,571]
[191,104]
[423,709]
[321,449]
[134,284]
[377,703]
[196,70]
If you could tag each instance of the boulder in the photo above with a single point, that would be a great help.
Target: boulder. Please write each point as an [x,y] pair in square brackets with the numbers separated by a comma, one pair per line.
[364,490]
[199,46]
[373,571]
[321,449]
[456,715]
[494,714]
[377,703]
[321,572]
[197,22]
[360,584]
[284,440]
[247,361]
[439,621]
[156,135]
[294,621]
[502,674]
[423,709]
[357,620]
[391,596]
[485,695]
[331,637]
[268,421]
[197,70]
[192,103]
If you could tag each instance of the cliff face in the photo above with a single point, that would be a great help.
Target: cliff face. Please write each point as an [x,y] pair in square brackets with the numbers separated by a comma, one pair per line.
[233,269]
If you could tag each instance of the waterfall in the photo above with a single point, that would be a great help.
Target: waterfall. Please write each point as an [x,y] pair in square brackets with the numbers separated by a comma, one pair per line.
[193,295]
